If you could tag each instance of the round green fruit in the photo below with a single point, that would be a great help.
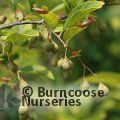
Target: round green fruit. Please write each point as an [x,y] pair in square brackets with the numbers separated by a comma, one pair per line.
[60,63]
[67,64]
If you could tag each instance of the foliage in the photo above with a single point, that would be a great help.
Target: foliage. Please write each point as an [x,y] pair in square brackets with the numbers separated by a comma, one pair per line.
[36,34]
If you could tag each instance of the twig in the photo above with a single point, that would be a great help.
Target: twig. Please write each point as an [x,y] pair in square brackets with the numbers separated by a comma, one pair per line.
[64,44]
[85,67]
[27,22]
[21,23]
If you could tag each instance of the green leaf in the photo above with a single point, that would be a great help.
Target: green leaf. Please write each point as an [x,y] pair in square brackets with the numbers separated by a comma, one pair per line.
[71,32]
[51,19]
[81,11]
[22,37]
[32,33]
[58,8]
[38,69]
[66,6]
[58,28]
[71,3]
[32,17]
[14,3]
[17,37]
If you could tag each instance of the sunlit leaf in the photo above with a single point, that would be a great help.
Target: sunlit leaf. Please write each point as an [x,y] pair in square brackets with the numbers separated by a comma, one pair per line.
[58,8]
[71,3]
[31,33]
[71,32]
[51,19]
[81,11]
[19,37]
[32,17]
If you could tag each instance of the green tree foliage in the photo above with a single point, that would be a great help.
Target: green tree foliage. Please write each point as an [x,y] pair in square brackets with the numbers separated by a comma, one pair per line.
[50,42]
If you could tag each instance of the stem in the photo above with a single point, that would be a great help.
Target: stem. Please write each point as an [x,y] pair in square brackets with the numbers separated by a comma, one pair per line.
[66,52]
[84,74]
[21,23]
[27,22]
[64,44]
[85,67]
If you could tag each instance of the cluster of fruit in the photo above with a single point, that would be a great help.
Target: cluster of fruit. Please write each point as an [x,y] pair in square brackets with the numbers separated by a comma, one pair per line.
[59,59]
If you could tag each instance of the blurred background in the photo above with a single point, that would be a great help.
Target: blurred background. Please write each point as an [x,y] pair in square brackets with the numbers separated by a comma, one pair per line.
[100,52]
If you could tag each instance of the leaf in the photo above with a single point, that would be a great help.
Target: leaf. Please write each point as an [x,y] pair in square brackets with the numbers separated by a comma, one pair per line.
[19,37]
[40,69]
[58,28]
[81,11]
[32,17]
[71,32]
[71,3]
[66,6]
[58,8]
[14,3]
[51,19]
[32,33]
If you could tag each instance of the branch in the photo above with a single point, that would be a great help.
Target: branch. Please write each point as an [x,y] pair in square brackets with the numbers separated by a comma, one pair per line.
[27,22]
[64,44]
[21,23]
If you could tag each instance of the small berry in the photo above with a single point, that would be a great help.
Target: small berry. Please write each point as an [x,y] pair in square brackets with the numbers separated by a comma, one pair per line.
[60,63]
[84,85]
[67,64]
[104,88]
